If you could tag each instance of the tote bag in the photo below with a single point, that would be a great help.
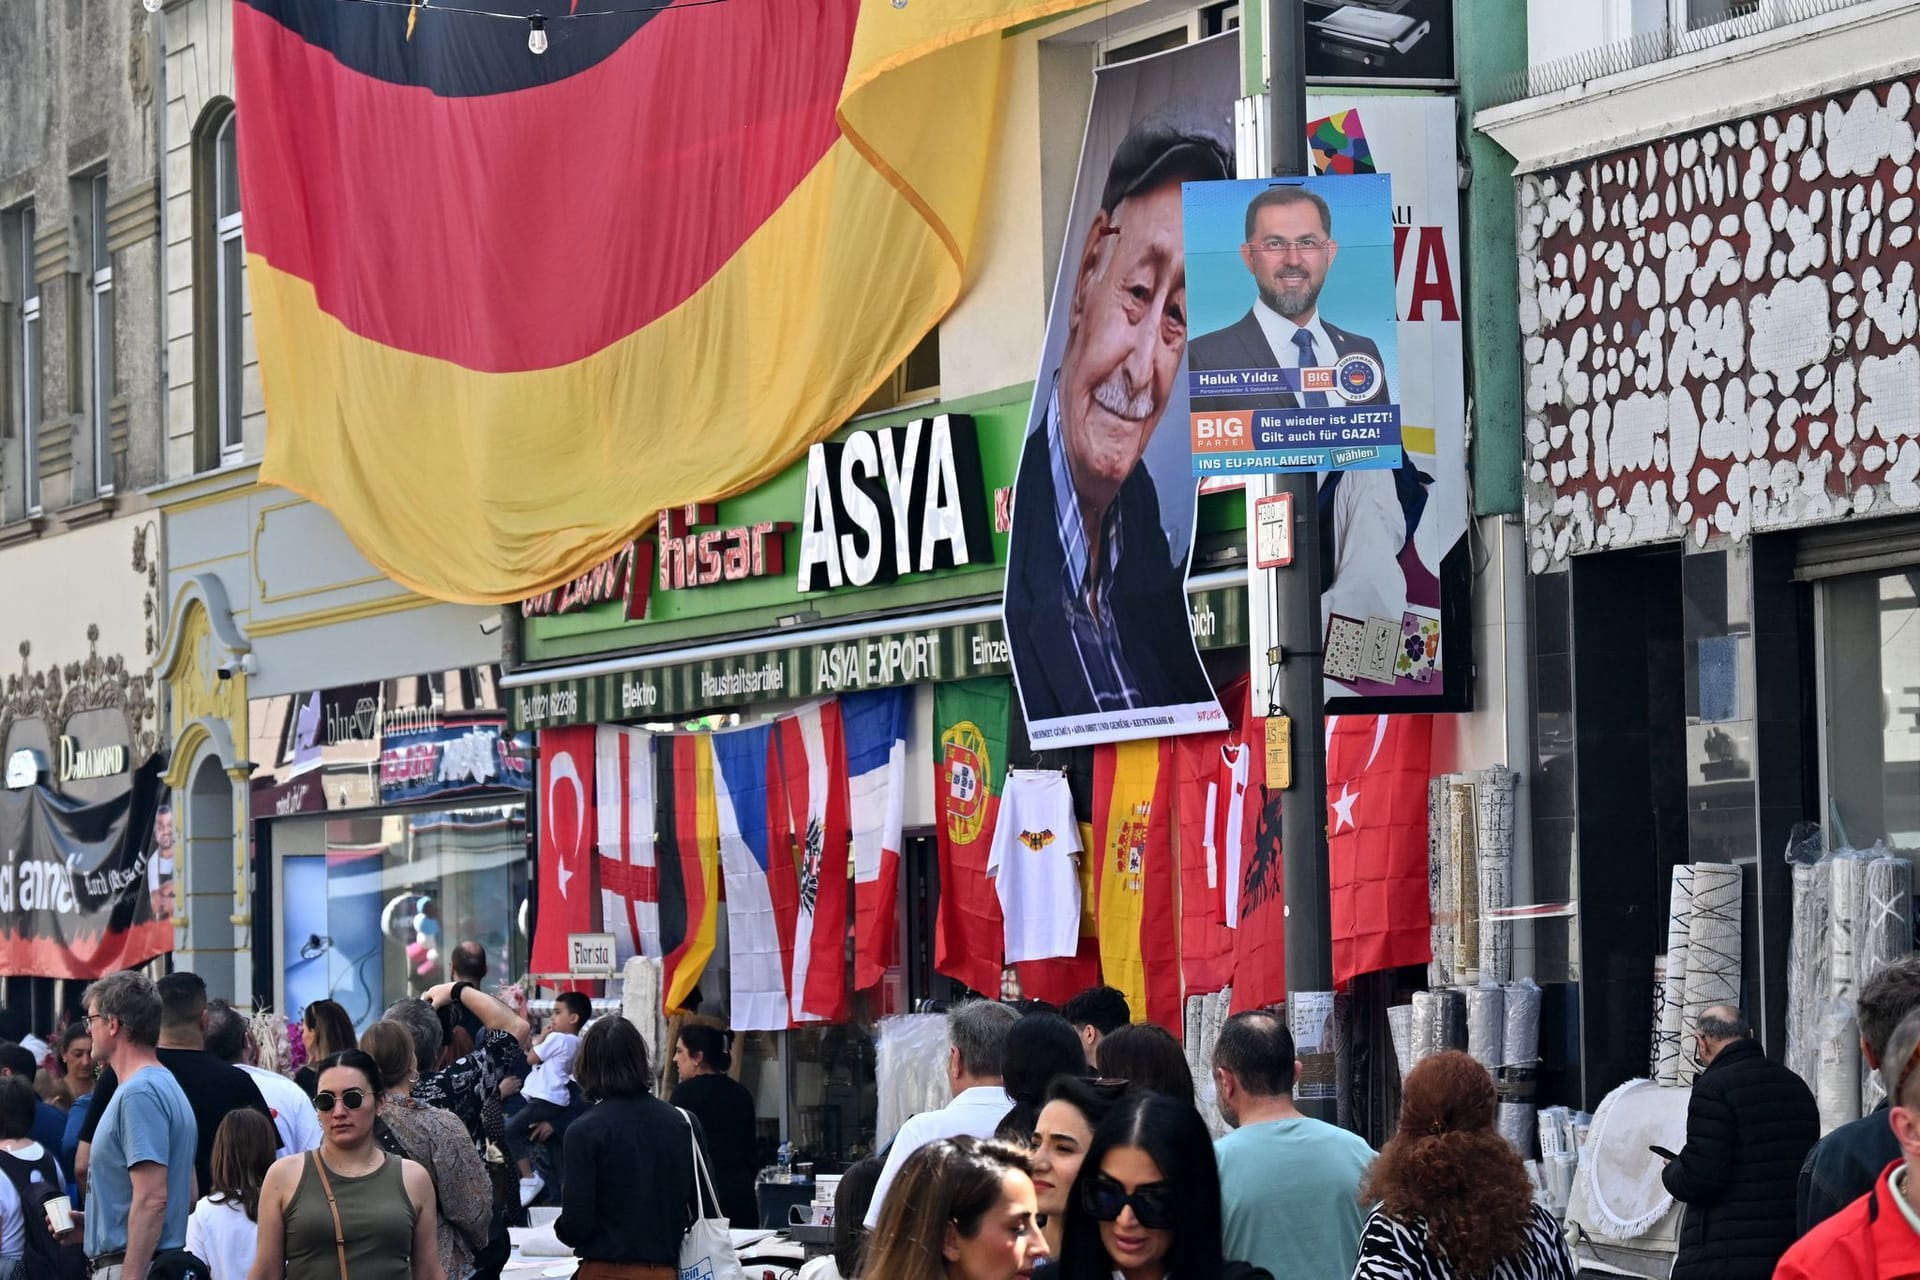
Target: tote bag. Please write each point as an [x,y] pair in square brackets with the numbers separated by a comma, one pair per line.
[706,1252]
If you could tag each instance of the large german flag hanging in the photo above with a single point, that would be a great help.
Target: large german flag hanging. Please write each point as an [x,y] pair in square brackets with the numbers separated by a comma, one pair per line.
[509,305]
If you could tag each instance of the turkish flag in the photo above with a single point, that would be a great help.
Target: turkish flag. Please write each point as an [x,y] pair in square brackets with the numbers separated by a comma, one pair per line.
[566,845]
[1377,770]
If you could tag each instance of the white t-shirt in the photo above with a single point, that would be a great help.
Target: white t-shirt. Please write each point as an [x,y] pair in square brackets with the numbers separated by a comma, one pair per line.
[220,1233]
[549,1078]
[293,1113]
[1034,865]
[1226,826]
[13,1227]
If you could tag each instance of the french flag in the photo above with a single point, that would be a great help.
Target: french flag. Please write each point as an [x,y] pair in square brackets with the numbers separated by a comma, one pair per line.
[629,868]
[758,968]
[876,732]
[814,775]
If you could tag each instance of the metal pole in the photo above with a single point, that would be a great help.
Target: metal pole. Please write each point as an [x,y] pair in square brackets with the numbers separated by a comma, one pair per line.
[1295,592]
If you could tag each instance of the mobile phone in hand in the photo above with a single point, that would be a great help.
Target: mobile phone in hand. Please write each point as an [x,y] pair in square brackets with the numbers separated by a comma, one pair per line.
[1663,1153]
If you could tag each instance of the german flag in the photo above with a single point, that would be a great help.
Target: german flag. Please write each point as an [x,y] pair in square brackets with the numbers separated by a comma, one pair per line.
[509,305]
[689,854]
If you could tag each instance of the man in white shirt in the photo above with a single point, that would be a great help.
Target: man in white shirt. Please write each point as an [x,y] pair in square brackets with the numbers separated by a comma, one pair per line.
[977,1036]
[293,1113]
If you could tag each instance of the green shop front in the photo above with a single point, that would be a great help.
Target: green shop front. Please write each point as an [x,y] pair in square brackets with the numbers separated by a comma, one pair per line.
[875,562]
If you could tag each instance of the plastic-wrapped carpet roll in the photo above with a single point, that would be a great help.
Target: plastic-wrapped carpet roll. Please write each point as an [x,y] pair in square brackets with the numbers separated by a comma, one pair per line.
[1440,880]
[1487,1025]
[1808,965]
[1516,1122]
[1836,1086]
[1493,846]
[1450,1020]
[1885,935]
[1464,860]
[1671,1037]
[1713,947]
[1426,1014]
[1400,1028]
[643,1003]
[1520,1041]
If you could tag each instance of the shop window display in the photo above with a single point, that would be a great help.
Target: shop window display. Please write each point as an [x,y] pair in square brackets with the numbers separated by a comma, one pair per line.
[372,905]
[1871,629]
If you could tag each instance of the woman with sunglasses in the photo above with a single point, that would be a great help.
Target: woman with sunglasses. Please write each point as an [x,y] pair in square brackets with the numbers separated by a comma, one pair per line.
[350,1208]
[1147,1203]
[960,1209]
[1072,1110]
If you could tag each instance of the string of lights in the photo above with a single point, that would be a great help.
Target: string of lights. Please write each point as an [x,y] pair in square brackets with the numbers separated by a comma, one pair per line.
[536,22]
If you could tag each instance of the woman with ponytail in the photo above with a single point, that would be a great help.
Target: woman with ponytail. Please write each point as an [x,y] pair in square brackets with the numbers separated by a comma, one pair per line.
[702,1056]
[1454,1200]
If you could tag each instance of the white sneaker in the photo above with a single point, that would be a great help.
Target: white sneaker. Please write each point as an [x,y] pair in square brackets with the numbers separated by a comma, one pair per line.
[530,1189]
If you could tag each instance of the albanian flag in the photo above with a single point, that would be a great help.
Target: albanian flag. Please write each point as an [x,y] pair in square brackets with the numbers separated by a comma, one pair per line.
[646,267]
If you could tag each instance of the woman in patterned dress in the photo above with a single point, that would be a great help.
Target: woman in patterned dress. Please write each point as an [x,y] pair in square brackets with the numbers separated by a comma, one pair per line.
[1452,1199]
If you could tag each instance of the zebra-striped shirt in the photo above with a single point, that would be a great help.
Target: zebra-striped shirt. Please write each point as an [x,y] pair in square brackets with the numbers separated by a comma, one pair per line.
[1395,1250]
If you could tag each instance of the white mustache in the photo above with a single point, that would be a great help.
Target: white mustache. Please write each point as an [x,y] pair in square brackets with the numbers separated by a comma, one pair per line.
[1113,395]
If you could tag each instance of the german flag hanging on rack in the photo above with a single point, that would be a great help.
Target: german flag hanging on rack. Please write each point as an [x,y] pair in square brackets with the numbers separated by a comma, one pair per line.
[510,304]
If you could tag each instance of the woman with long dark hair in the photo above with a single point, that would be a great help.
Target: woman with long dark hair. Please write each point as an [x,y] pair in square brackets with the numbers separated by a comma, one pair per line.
[350,1208]
[702,1056]
[224,1229]
[1040,1046]
[1147,1056]
[326,1030]
[1454,1200]
[1062,1136]
[960,1209]
[1146,1205]
[628,1192]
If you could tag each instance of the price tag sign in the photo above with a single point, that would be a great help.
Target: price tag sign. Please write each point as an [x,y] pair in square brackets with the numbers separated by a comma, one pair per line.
[1280,752]
[1273,531]
[590,955]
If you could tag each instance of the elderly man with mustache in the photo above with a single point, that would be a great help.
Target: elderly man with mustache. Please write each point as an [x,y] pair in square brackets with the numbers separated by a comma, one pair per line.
[1096,603]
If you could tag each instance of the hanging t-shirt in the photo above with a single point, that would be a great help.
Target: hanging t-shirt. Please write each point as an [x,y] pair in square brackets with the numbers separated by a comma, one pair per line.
[1034,865]
[1227,827]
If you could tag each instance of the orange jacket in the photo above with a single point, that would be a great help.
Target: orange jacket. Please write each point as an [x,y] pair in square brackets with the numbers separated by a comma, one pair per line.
[1870,1239]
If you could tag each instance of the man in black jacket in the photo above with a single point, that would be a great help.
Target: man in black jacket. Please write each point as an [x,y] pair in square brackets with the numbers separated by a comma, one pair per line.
[1844,1165]
[1749,1125]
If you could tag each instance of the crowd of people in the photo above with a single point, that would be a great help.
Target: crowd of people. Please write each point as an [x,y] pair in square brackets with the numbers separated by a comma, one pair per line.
[176,1147]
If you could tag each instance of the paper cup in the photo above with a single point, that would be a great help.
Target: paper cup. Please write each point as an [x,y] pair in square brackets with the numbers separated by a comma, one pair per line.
[59,1214]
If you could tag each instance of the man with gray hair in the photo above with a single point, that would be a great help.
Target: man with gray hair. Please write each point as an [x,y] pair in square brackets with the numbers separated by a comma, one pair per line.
[1879,1233]
[293,1114]
[140,1185]
[423,1024]
[977,1047]
[1844,1165]
[1750,1124]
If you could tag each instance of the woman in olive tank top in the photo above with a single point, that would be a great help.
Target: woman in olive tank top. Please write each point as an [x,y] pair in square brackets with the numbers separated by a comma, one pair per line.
[349,1211]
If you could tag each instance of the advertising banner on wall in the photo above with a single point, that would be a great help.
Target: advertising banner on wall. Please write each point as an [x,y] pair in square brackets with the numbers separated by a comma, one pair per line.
[1104,501]
[85,889]
[1292,366]
[446,759]
[1395,576]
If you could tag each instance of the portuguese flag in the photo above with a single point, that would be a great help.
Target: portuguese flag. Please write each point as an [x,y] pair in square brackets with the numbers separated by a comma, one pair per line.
[969,771]
[647,266]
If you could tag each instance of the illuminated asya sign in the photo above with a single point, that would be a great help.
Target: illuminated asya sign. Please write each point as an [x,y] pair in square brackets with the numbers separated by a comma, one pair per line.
[899,500]
[687,555]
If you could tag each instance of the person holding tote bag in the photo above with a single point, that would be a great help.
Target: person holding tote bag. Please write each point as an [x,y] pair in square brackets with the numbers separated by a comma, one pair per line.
[349,1211]
[629,1191]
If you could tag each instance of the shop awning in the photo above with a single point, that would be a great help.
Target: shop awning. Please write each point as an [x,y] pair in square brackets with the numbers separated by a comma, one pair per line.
[952,644]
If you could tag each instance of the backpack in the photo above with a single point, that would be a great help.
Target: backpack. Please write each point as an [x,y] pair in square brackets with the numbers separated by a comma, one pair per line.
[44,1258]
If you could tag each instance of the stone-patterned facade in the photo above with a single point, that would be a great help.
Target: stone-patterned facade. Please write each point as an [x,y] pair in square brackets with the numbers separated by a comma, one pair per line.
[1719,329]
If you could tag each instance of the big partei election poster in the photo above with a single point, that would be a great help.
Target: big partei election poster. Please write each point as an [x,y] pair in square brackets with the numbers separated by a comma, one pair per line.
[1096,602]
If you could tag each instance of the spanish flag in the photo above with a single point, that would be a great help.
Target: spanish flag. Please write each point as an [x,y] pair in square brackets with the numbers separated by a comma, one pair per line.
[1139,930]
[689,845]
[508,304]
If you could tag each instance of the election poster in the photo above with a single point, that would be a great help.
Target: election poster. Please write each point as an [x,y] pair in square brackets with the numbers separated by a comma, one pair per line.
[85,889]
[1394,565]
[1104,500]
[1290,296]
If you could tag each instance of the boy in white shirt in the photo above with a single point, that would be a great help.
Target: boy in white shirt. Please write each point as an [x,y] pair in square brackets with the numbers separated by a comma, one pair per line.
[545,1088]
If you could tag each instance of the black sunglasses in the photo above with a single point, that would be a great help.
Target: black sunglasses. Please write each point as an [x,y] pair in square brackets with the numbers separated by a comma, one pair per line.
[1104,1200]
[323,1102]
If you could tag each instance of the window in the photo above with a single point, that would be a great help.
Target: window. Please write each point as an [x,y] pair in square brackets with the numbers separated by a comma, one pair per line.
[1707,13]
[27,289]
[229,289]
[1170,33]
[915,381]
[100,286]
[1870,631]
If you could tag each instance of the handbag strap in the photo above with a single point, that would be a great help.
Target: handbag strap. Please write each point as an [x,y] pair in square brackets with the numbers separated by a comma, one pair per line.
[339,1236]
[703,1191]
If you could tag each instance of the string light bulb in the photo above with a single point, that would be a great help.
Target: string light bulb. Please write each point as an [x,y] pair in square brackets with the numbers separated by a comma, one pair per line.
[537,34]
